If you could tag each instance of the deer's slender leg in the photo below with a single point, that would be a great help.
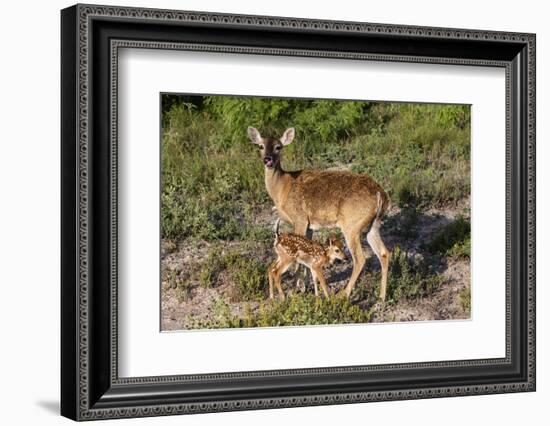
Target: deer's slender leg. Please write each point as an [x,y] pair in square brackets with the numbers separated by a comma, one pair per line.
[315,287]
[353,240]
[318,276]
[275,275]
[378,247]
[270,273]
[302,228]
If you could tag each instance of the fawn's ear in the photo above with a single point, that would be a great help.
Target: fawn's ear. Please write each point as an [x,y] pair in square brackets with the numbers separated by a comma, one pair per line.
[254,135]
[288,136]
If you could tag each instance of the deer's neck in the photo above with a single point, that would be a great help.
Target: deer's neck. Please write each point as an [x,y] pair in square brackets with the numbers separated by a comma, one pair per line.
[326,259]
[276,183]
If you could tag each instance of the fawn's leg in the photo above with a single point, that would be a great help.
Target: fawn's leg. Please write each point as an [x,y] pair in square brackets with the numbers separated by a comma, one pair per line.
[278,271]
[378,247]
[270,275]
[353,240]
[318,275]
[302,228]
[314,278]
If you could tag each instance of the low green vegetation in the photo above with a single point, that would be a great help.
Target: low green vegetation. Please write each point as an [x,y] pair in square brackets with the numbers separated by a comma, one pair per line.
[465,298]
[308,309]
[452,240]
[411,277]
[246,273]
[295,310]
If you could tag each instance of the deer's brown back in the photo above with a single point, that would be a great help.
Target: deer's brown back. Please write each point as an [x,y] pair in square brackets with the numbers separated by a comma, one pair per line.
[327,197]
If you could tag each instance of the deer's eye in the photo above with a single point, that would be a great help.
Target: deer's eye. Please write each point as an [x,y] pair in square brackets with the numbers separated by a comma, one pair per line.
[278,148]
[260,147]
[337,250]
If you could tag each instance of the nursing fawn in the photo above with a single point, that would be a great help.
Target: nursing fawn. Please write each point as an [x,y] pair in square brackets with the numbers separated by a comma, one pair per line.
[293,248]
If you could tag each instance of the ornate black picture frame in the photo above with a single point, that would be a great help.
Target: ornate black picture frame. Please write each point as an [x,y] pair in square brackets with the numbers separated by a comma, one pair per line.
[90,385]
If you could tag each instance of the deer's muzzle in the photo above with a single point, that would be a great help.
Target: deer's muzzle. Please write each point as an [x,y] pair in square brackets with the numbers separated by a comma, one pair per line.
[268,161]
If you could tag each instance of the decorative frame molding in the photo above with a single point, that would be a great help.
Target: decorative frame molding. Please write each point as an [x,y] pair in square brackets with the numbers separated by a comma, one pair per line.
[91,37]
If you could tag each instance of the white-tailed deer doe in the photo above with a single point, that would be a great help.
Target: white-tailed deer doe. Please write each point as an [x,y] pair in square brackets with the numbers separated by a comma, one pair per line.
[317,199]
[291,248]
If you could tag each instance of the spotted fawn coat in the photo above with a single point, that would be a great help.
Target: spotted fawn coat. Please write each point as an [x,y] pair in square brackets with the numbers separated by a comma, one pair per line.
[292,248]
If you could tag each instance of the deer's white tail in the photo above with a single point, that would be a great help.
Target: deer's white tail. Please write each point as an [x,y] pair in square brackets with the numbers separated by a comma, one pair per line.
[378,205]
[277,229]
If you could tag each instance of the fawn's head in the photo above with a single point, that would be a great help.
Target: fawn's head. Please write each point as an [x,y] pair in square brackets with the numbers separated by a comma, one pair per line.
[335,249]
[270,148]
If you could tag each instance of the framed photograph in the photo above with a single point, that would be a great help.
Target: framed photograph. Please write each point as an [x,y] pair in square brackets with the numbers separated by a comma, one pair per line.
[263,212]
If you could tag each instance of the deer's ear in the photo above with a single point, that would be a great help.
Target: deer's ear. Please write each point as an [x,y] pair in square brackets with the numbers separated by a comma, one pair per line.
[288,136]
[254,135]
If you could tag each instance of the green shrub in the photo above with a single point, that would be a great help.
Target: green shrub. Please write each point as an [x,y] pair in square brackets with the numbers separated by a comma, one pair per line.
[178,281]
[207,194]
[307,309]
[465,298]
[410,278]
[317,121]
[419,155]
[221,318]
[295,310]
[212,267]
[183,290]
[453,240]
[249,276]
[246,273]
[461,249]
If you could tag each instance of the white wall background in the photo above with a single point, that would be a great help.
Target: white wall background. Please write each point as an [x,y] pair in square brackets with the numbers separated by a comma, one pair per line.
[29,211]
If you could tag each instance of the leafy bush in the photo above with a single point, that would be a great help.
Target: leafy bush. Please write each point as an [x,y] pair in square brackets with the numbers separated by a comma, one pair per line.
[453,240]
[247,274]
[465,298]
[419,154]
[221,318]
[212,267]
[295,310]
[307,309]
[207,194]
[410,277]
[317,121]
